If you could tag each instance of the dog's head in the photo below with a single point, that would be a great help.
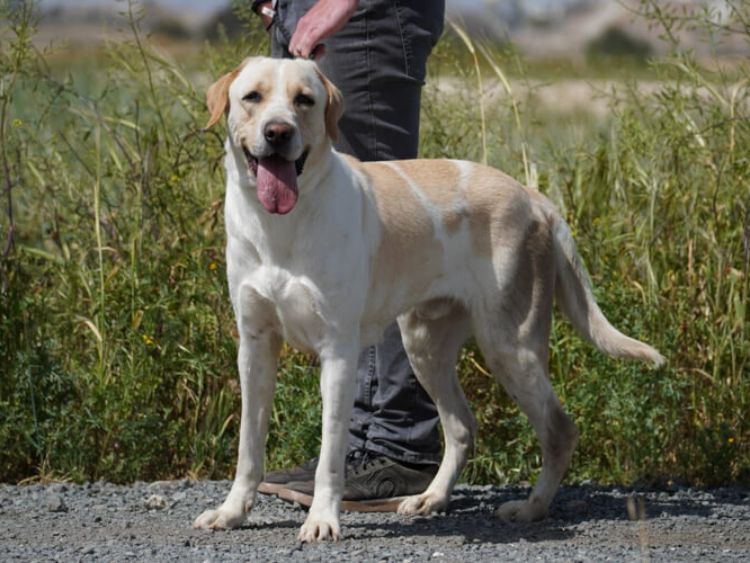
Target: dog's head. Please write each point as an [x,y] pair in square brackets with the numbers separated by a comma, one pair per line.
[279,113]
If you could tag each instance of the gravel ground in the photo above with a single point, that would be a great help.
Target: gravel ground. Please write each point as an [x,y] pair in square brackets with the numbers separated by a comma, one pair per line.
[152,522]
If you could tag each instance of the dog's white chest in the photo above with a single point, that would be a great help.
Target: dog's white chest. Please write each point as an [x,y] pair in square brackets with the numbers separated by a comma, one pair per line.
[296,306]
[300,316]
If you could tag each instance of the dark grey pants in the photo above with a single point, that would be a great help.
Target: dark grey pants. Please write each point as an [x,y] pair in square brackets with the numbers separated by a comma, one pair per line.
[378,62]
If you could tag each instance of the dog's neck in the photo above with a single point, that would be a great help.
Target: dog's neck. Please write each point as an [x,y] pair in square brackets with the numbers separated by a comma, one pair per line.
[279,235]
[317,168]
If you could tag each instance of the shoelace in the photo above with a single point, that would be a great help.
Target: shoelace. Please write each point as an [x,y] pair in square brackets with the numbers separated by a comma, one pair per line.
[359,460]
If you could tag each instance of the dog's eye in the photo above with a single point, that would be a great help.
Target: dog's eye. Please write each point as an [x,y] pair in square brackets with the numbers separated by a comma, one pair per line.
[253,97]
[304,100]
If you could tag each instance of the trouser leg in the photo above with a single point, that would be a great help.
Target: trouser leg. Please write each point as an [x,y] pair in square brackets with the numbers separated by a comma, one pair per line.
[378,62]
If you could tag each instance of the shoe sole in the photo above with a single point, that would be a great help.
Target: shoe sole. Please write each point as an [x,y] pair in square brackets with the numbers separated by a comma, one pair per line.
[375,505]
[270,488]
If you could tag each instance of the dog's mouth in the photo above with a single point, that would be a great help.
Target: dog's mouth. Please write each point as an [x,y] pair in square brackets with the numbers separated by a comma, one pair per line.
[276,180]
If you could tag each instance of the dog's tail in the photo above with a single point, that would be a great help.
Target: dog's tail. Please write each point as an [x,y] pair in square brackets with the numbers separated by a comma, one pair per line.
[575,298]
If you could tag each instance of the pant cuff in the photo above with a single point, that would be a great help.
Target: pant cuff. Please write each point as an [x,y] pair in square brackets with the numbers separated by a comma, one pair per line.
[406,457]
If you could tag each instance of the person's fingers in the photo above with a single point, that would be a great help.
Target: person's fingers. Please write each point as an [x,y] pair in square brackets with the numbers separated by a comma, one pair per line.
[304,47]
[324,18]
[297,46]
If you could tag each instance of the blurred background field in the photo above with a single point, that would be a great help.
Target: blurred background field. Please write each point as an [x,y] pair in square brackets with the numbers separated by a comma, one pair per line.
[117,352]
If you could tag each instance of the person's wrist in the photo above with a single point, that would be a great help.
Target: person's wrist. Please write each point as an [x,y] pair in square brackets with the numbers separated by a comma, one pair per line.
[264,9]
[256,5]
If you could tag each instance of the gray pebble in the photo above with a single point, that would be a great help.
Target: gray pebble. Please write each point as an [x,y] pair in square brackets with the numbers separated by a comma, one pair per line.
[155,502]
[55,503]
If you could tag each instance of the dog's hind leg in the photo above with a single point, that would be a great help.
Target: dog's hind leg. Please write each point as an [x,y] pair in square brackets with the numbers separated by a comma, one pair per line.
[433,336]
[257,363]
[518,358]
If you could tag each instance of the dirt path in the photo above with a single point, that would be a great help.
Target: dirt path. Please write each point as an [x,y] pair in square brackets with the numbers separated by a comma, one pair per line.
[151,522]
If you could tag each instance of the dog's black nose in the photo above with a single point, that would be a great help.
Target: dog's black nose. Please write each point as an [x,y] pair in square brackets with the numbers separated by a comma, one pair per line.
[277,133]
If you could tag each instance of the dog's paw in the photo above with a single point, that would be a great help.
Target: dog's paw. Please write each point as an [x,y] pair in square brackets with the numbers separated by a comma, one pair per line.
[521,511]
[220,519]
[422,504]
[317,529]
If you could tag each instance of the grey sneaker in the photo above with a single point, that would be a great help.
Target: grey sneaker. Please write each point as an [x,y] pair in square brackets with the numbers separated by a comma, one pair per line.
[274,481]
[374,483]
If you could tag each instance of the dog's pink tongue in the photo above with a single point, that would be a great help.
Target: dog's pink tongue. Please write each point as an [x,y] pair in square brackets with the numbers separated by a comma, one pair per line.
[276,183]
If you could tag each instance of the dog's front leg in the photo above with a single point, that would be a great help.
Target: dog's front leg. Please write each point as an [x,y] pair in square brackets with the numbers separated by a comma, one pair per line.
[257,362]
[337,385]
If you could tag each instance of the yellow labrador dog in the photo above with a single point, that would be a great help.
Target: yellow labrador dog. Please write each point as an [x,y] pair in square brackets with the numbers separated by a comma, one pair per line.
[324,252]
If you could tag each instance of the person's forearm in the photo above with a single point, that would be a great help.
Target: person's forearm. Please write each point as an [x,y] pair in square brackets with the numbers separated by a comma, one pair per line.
[325,18]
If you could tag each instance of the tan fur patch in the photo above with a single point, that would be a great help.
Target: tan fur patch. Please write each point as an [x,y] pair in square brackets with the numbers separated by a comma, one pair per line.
[487,198]
[534,285]
[409,248]
[334,106]
[439,181]
[217,97]
[496,203]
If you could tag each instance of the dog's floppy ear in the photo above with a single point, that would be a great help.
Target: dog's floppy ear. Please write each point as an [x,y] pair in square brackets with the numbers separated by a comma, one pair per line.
[334,106]
[217,97]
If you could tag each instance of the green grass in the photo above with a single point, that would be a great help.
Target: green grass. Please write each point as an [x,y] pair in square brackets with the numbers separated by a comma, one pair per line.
[116,333]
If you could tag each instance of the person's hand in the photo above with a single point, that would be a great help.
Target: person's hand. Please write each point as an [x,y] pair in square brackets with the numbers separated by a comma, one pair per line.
[325,18]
